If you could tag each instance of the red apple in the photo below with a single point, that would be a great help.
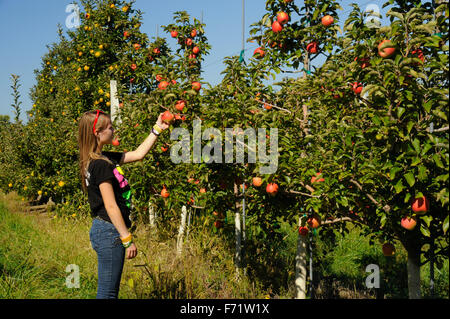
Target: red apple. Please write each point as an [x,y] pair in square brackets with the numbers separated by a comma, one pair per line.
[136,46]
[408,222]
[167,117]
[272,189]
[388,249]
[180,104]
[316,178]
[312,47]
[193,33]
[257,181]
[419,54]
[174,33]
[195,50]
[163,85]
[126,34]
[420,205]
[115,142]
[314,221]
[276,26]
[133,66]
[196,86]
[156,51]
[303,231]
[327,20]
[259,52]
[188,42]
[164,193]
[158,77]
[218,224]
[357,87]
[386,52]
[282,17]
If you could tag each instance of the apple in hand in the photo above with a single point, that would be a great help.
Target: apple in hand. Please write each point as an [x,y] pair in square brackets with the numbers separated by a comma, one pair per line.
[167,117]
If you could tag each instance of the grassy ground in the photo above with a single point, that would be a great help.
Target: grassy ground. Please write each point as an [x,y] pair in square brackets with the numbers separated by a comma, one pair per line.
[35,250]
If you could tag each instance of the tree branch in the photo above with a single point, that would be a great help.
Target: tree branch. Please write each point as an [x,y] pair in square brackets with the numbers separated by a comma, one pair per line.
[386,208]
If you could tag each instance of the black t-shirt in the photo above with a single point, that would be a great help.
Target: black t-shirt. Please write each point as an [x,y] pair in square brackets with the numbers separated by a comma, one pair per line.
[100,171]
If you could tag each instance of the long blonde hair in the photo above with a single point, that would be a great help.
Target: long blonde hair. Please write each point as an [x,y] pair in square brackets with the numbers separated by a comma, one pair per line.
[87,142]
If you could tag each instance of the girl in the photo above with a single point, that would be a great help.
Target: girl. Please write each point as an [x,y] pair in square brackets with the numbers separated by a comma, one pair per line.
[109,196]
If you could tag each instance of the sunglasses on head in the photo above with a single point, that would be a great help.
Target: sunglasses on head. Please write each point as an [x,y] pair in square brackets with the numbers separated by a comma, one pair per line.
[96,119]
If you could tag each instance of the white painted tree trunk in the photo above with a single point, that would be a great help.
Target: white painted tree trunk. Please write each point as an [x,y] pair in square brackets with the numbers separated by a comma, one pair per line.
[152,215]
[181,230]
[300,266]
[114,102]
[238,233]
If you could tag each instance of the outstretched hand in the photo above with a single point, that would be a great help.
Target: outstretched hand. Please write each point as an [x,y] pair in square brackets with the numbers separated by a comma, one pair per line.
[161,124]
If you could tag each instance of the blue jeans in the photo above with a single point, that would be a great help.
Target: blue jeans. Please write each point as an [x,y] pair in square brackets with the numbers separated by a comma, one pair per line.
[105,240]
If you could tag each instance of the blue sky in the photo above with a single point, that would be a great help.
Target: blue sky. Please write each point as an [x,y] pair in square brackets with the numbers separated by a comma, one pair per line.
[28,26]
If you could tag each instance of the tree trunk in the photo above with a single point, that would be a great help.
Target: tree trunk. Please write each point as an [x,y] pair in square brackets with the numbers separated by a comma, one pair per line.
[181,230]
[300,266]
[152,215]
[238,234]
[413,247]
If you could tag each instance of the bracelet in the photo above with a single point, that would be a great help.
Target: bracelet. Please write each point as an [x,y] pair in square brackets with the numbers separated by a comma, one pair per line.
[157,128]
[154,132]
[126,239]
[127,244]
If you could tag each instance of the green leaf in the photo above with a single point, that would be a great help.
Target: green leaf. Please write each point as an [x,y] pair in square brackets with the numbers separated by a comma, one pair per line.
[407,198]
[399,186]
[416,145]
[409,126]
[427,219]
[437,160]
[445,225]
[422,175]
[424,230]
[410,179]
[427,105]
[400,111]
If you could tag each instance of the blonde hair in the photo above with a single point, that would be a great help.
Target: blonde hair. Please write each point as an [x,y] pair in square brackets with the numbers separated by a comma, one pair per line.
[87,141]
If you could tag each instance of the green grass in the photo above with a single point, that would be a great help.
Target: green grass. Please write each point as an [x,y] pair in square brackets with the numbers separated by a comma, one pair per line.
[35,250]
[34,254]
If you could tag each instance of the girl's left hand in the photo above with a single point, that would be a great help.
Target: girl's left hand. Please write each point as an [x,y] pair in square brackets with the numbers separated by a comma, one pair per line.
[161,124]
